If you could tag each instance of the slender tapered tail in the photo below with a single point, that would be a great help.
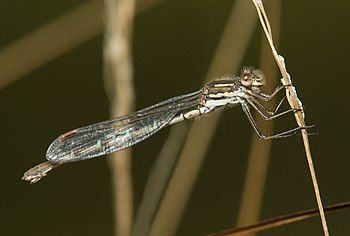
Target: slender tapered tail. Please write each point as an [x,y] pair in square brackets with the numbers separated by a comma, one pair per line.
[37,172]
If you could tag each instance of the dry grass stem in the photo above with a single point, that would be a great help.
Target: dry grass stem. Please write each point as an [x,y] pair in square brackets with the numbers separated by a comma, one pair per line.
[55,38]
[227,59]
[118,71]
[158,178]
[258,158]
[295,103]
[280,220]
[50,41]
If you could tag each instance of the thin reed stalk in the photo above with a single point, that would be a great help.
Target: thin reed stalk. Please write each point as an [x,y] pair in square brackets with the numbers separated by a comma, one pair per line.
[50,41]
[227,59]
[118,72]
[54,39]
[280,220]
[258,158]
[158,178]
[294,103]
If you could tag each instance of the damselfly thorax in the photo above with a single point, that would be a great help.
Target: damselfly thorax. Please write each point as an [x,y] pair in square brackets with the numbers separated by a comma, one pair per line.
[113,135]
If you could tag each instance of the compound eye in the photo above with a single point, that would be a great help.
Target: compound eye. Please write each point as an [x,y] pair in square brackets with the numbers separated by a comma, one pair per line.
[247,80]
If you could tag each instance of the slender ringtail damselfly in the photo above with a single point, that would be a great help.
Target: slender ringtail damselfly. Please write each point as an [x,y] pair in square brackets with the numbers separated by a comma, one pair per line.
[113,135]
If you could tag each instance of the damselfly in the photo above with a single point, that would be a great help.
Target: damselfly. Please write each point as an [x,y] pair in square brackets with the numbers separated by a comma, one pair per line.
[113,135]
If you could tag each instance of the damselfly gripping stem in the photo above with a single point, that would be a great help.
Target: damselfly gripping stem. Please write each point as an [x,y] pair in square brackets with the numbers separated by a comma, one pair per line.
[113,135]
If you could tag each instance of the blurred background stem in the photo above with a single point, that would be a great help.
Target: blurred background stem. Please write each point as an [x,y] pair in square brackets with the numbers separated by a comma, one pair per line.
[118,74]
[55,38]
[227,59]
[259,153]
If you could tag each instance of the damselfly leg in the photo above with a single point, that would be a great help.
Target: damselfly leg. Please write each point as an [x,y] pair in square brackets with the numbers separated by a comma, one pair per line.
[267,97]
[258,105]
[269,114]
[288,133]
[253,100]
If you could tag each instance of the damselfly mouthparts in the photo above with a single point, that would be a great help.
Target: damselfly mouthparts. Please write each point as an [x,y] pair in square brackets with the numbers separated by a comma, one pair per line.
[113,135]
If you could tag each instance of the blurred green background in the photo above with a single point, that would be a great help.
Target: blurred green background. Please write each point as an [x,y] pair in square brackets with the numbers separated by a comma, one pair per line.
[173,45]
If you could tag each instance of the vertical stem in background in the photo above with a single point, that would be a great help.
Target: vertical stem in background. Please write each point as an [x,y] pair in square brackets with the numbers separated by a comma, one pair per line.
[50,40]
[158,178]
[118,73]
[227,59]
[259,153]
[294,103]
[60,35]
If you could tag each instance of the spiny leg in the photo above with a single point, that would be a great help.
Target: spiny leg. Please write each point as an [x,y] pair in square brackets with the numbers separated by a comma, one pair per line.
[284,134]
[267,110]
[267,97]
[271,115]
[292,132]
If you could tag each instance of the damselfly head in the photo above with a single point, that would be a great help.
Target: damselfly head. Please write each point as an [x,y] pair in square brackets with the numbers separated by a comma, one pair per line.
[252,78]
